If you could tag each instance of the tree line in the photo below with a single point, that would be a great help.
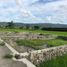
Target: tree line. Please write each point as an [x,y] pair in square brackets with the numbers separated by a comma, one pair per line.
[11,25]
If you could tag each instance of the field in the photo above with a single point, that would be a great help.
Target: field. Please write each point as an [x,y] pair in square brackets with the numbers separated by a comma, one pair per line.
[37,43]
[34,31]
[57,62]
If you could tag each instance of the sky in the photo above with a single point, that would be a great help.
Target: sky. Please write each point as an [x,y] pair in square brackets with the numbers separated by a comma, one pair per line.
[34,11]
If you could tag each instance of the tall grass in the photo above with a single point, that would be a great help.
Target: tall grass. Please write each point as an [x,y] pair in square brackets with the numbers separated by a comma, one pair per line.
[35,43]
[31,43]
[60,61]
[56,42]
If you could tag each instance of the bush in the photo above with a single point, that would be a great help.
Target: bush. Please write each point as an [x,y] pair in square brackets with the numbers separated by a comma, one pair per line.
[8,56]
[16,31]
[2,44]
[60,61]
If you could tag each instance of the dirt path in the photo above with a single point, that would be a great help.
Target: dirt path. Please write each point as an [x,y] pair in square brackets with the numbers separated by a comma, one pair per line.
[8,62]
[24,60]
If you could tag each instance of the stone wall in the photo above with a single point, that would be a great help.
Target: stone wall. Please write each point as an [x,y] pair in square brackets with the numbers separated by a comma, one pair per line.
[46,54]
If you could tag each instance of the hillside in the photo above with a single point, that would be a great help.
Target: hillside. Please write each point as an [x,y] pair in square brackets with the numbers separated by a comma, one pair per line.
[46,25]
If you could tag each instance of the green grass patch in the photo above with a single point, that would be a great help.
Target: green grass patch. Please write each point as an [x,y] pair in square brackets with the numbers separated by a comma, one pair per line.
[8,56]
[38,42]
[31,43]
[56,42]
[60,61]
[2,44]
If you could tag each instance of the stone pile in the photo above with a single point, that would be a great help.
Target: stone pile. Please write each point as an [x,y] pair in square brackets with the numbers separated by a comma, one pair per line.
[26,35]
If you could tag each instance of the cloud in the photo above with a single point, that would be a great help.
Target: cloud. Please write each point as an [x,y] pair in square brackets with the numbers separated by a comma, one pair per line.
[21,11]
[54,12]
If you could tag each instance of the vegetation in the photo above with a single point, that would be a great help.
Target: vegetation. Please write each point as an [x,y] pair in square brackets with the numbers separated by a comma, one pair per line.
[2,44]
[36,43]
[34,31]
[60,61]
[30,43]
[56,42]
[36,27]
[8,56]
[10,25]
[54,29]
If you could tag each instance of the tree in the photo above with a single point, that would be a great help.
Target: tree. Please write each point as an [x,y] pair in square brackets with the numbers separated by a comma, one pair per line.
[36,27]
[10,25]
[21,27]
[27,26]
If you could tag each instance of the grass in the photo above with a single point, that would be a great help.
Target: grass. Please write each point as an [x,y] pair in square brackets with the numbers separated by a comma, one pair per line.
[8,56]
[34,31]
[38,42]
[30,43]
[60,61]
[2,44]
[56,42]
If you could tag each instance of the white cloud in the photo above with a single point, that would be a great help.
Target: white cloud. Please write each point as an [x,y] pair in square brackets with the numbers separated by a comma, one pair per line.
[20,10]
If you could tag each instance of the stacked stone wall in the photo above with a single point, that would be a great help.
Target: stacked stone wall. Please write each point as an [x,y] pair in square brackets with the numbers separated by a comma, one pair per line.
[46,54]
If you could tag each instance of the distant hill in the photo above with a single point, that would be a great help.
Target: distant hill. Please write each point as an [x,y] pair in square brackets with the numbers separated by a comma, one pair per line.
[50,25]
[45,25]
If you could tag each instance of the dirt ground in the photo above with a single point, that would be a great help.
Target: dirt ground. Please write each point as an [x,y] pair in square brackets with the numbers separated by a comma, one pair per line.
[8,62]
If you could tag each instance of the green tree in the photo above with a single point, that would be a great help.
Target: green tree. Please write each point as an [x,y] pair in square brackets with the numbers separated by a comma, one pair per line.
[21,27]
[27,26]
[36,27]
[10,25]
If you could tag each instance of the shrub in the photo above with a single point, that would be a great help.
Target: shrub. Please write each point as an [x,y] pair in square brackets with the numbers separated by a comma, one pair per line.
[8,56]
[60,61]
[2,44]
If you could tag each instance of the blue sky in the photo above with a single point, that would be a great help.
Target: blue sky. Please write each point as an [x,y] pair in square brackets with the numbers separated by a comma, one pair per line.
[34,11]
